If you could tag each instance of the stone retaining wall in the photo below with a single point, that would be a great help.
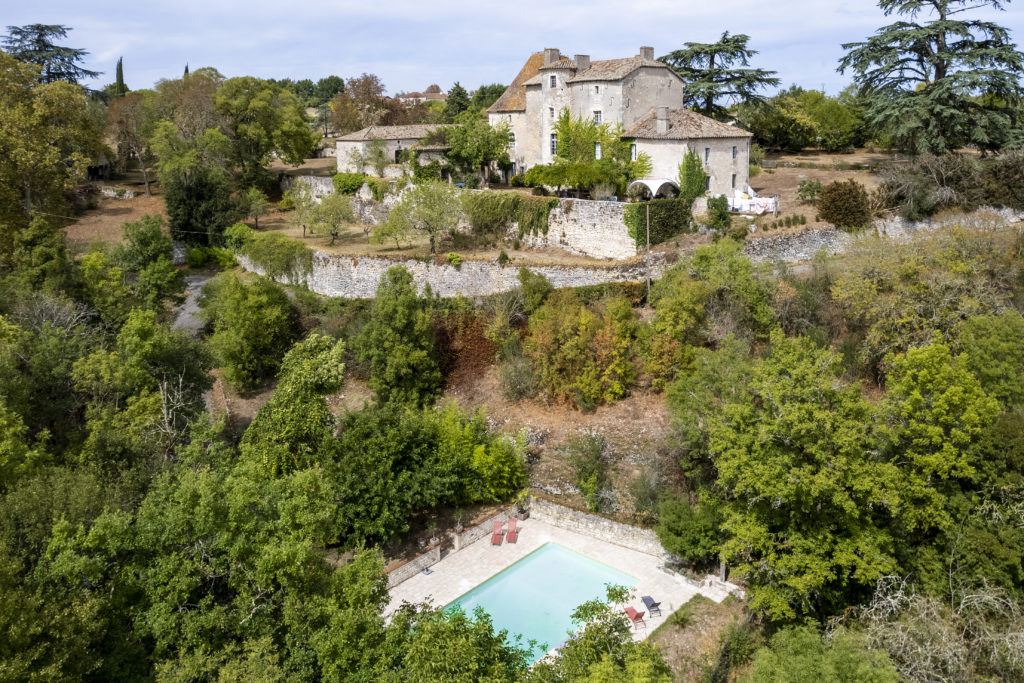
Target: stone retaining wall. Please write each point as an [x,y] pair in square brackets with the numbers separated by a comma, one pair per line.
[357,277]
[414,566]
[580,226]
[634,538]
[118,192]
[802,246]
[320,186]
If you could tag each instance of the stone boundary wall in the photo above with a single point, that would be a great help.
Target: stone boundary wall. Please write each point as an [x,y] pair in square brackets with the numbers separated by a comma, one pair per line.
[481,530]
[634,538]
[803,246]
[414,566]
[357,277]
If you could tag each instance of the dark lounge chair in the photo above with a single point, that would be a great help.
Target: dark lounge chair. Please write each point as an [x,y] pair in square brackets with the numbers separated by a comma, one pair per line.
[653,608]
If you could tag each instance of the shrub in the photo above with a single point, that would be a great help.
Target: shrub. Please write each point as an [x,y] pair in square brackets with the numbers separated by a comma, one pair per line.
[503,258]
[808,191]
[535,289]
[589,461]
[1002,178]
[845,204]
[517,180]
[348,183]
[517,379]
[253,326]
[225,258]
[454,259]
[278,255]
[580,355]
[287,202]
[691,533]
[931,184]
[718,213]
[196,257]
[692,178]
[237,235]
[516,244]
[669,217]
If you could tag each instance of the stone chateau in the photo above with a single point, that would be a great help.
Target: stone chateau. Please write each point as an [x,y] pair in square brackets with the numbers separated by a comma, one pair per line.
[642,94]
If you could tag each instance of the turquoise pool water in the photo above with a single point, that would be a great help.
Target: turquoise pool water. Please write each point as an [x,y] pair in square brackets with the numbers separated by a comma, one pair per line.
[536,596]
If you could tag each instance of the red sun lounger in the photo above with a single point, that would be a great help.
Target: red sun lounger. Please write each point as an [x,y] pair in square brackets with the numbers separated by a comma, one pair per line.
[636,618]
[497,534]
[513,533]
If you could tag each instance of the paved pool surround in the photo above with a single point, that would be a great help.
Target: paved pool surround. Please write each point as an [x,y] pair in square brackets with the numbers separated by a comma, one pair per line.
[460,572]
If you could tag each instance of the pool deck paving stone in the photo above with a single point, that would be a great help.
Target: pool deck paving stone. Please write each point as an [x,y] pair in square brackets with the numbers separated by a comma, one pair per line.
[459,572]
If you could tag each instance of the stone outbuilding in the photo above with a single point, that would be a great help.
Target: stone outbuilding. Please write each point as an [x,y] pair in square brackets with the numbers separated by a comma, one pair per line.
[397,141]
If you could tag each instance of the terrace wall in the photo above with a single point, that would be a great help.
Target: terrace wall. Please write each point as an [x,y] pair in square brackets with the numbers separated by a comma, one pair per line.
[414,566]
[634,538]
[357,277]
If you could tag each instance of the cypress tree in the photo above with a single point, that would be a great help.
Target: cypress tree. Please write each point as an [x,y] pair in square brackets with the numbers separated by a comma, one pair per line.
[185,75]
[119,85]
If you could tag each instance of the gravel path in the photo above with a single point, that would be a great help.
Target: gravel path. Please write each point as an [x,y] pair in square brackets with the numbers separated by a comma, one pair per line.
[188,315]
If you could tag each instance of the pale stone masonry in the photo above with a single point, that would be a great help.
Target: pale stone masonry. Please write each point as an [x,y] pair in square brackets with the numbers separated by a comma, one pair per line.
[639,93]
[397,139]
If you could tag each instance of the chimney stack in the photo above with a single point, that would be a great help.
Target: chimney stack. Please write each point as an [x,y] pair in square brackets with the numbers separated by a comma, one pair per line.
[582,63]
[551,55]
[661,123]
[647,53]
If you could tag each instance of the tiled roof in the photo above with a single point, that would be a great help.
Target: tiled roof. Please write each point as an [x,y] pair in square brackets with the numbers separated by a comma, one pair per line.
[514,97]
[416,131]
[614,69]
[684,124]
[563,63]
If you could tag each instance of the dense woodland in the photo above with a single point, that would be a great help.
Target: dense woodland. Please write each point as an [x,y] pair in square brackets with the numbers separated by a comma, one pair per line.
[847,439]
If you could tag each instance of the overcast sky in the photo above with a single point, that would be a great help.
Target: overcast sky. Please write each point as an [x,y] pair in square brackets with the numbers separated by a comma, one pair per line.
[411,44]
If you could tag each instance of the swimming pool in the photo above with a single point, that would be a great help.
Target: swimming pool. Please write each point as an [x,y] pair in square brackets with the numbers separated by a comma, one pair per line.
[536,596]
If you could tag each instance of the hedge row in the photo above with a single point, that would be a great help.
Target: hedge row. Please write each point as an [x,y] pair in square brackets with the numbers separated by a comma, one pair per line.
[669,217]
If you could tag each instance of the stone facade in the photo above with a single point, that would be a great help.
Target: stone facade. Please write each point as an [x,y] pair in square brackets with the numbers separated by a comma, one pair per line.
[642,95]
[634,538]
[357,277]
[727,161]
[615,91]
